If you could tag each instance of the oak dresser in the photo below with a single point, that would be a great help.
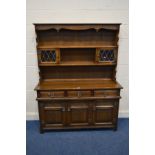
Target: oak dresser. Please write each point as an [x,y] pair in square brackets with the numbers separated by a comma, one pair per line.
[77,88]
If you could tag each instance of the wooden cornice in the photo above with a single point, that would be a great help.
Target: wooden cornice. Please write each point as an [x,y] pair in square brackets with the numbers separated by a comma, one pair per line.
[58,27]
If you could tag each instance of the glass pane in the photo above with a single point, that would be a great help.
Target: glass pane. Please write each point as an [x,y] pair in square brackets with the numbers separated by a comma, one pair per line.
[106,55]
[48,56]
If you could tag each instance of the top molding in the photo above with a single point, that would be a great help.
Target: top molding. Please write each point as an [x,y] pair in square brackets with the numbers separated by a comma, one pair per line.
[87,26]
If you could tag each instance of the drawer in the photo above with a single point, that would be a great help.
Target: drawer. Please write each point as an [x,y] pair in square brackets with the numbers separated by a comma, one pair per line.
[79,93]
[104,93]
[53,104]
[51,94]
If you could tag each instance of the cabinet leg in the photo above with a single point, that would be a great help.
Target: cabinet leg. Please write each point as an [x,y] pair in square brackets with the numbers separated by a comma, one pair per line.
[115,128]
[41,130]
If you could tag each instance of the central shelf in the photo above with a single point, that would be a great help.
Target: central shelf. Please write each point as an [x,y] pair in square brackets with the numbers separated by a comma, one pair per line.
[79,63]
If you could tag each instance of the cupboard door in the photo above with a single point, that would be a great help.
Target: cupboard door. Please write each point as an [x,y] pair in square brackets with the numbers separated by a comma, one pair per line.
[103,113]
[105,55]
[78,114]
[49,56]
[54,114]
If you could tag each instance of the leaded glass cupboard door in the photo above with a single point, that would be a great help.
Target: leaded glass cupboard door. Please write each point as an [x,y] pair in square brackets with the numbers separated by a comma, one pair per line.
[106,55]
[48,56]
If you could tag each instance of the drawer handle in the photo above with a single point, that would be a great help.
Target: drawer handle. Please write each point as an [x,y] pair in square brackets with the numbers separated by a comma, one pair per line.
[51,94]
[79,94]
[104,95]
[92,92]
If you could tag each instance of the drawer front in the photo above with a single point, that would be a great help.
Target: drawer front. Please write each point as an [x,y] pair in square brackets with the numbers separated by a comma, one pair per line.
[79,93]
[51,94]
[106,93]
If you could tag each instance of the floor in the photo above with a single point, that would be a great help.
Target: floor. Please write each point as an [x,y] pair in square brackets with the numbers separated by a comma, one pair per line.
[85,142]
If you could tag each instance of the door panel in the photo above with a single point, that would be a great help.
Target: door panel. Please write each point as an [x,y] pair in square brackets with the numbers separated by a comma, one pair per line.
[54,114]
[78,113]
[103,112]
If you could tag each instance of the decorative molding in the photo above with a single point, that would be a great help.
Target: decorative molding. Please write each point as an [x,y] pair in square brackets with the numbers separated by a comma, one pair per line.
[58,27]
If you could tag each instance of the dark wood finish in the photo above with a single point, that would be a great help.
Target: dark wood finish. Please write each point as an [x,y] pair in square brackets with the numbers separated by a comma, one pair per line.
[78,89]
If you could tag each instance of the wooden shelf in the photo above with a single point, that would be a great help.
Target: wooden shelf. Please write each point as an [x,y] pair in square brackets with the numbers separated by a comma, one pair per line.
[75,84]
[42,47]
[79,63]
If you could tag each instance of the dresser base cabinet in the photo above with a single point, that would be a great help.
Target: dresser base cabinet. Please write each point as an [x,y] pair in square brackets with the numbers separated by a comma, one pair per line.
[78,114]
